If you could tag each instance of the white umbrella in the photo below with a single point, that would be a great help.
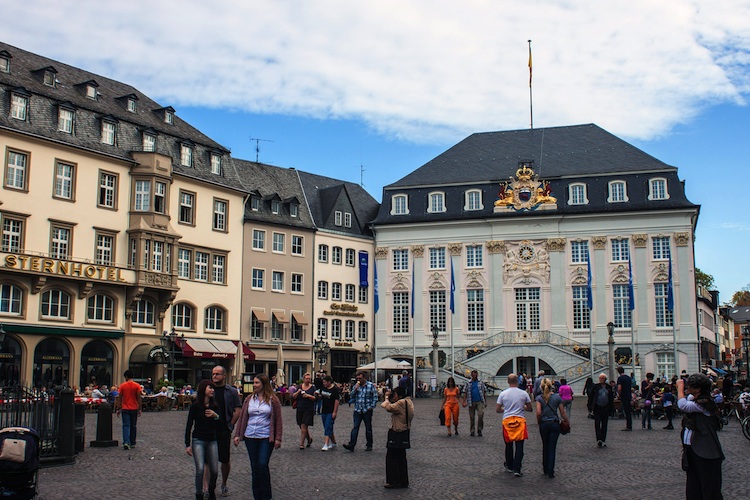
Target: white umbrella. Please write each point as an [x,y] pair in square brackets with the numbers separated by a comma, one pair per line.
[404,364]
[386,364]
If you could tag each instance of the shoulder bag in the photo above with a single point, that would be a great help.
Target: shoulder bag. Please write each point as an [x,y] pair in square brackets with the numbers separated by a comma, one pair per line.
[564,424]
[400,439]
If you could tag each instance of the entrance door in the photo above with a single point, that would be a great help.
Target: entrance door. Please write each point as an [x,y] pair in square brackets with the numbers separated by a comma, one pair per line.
[526,365]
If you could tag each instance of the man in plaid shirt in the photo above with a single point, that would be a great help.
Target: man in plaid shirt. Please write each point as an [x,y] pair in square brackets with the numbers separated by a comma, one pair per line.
[474,396]
[365,397]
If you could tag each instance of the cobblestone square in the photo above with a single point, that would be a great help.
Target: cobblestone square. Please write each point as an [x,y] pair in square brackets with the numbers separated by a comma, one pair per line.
[635,464]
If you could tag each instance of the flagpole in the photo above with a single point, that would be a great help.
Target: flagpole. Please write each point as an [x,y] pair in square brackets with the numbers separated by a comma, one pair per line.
[590,305]
[376,307]
[453,315]
[531,100]
[670,306]
[413,330]
[631,307]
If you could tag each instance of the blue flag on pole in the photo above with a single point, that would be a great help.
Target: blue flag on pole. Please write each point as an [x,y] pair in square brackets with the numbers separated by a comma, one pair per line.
[670,291]
[631,294]
[375,284]
[413,286]
[589,294]
[453,289]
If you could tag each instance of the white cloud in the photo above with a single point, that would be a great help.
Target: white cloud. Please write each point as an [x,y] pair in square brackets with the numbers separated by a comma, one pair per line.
[419,70]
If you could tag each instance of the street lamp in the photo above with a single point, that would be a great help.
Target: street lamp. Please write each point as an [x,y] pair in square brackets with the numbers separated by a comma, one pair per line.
[611,345]
[321,350]
[434,355]
[169,340]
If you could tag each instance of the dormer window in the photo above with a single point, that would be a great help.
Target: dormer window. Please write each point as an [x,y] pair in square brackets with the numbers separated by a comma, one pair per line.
[347,219]
[577,194]
[618,192]
[19,104]
[337,218]
[436,203]
[4,61]
[109,131]
[65,117]
[399,204]
[168,117]
[255,204]
[149,141]
[293,209]
[132,105]
[49,78]
[216,164]
[186,154]
[473,200]
[657,189]
[275,206]
[91,92]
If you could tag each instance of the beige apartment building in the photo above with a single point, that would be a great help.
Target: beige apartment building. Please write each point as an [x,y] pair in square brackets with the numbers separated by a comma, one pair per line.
[121,233]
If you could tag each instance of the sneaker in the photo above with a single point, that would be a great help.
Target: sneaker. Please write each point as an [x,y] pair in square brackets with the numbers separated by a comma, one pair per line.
[599,443]
[471,434]
[205,495]
[479,433]
[518,473]
[126,446]
[349,447]
[604,445]
[224,490]
[325,448]
[368,448]
[507,469]
[332,446]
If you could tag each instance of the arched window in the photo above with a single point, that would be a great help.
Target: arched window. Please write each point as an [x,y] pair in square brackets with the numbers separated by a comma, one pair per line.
[436,202]
[11,299]
[143,313]
[56,304]
[100,307]
[399,204]
[618,192]
[657,189]
[577,194]
[215,319]
[182,316]
[473,200]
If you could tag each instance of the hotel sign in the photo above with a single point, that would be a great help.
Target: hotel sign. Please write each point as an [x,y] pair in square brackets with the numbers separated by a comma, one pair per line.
[54,267]
[349,310]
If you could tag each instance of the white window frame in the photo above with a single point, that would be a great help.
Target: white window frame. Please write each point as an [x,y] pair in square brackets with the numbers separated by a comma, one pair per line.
[620,249]
[577,194]
[473,200]
[65,119]
[16,170]
[400,312]
[278,242]
[363,295]
[109,132]
[259,240]
[436,202]
[182,316]
[660,248]
[11,299]
[142,198]
[618,192]
[220,215]
[322,253]
[61,242]
[298,245]
[322,328]
[160,197]
[149,142]
[337,218]
[400,259]
[214,319]
[528,308]
[621,306]
[349,330]
[663,317]
[437,258]
[336,329]
[19,107]
[400,204]
[336,255]
[336,292]
[323,290]
[218,269]
[579,252]
[105,249]
[275,206]
[132,106]
[58,304]
[143,313]
[475,310]
[474,256]
[186,155]
[200,266]
[13,234]
[349,292]
[184,263]
[187,208]
[258,279]
[296,283]
[65,175]
[658,189]
[350,257]
[363,331]
[347,219]
[277,281]
[438,302]
[100,308]
[581,312]
[216,167]
[293,209]
[107,190]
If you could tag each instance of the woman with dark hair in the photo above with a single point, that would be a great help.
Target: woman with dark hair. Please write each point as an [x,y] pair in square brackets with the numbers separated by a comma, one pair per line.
[305,397]
[202,446]
[702,454]
[260,427]
[401,409]
[548,404]
[586,389]
[450,404]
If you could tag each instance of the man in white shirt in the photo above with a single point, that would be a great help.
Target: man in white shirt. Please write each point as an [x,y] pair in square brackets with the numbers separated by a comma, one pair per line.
[512,403]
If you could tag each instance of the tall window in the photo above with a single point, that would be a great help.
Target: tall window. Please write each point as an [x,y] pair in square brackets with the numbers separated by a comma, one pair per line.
[577,194]
[473,200]
[55,304]
[217,270]
[256,328]
[214,321]
[362,295]
[143,313]
[65,120]
[259,239]
[664,317]
[337,218]
[11,299]
[182,316]
[349,293]
[216,164]
[142,196]
[277,281]
[437,258]
[474,256]
[581,312]
[108,132]
[277,328]
[60,242]
[157,256]
[278,242]
[220,215]
[400,312]
[322,328]
[296,283]
[617,192]
[579,251]
[528,309]
[149,142]
[657,189]
[107,190]
[401,260]
[187,204]
[347,219]
[437,310]
[297,331]
[294,209]
[297,244]
[275,206]
[475,310]
[437,202]
[336,255]
[160,197]
[362,332]
[105,244]
[621,306]
[322,253]
[184,261]
[100,307]
[665,364]
[620,250]
[335,291]
[16,170]
[186,155]
[660,247]
[200,272]
[19,106]
[400,205]
[258,275]
[350,257]
[349,330]
[323,290]
[64,175]
[12,234]
[336,329]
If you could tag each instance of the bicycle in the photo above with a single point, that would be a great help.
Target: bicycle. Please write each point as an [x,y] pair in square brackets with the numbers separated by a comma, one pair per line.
[746,427]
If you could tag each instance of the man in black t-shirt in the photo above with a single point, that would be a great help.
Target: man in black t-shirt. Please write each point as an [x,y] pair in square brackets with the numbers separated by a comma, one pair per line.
[228,400]
[329,397]
[624,389]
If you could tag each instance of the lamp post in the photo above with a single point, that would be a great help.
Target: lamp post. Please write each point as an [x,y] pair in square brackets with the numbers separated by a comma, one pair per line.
[746,345]
[434,355]
[321,350]
[611,345]
[168,341]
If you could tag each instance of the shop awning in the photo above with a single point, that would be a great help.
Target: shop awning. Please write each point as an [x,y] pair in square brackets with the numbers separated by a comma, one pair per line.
[280,317]
[300,318]
[247,354]
[260,316]
[147,353]
[204,348]
[61,330]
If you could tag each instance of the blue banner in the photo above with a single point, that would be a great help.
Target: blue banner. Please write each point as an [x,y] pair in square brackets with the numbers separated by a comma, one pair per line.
[589,294]
[375,284]
[453,289]
[363,268]
[670,290]
[631,294]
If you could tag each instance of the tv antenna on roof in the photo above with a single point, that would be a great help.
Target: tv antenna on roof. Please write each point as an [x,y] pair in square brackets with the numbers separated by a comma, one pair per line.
[257,147]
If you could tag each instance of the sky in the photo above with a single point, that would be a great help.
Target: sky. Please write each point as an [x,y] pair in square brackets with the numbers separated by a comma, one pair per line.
[369,91]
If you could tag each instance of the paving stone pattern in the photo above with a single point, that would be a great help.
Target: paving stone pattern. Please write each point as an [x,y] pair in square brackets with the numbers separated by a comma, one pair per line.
[638,464]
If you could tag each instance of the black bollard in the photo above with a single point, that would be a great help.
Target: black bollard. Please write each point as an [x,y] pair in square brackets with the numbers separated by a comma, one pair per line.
[65,412]
[104,428]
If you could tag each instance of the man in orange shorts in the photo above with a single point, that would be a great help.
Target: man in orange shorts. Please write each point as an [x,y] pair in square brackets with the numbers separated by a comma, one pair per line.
[511,403]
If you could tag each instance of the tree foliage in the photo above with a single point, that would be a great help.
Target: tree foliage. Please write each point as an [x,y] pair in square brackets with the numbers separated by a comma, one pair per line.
[742,297]
[704,279]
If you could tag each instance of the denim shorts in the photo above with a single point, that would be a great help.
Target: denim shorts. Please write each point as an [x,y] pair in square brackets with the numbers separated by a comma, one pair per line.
[327,419]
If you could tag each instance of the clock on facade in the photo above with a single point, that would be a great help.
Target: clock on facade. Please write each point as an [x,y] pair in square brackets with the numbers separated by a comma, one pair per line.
[526,253]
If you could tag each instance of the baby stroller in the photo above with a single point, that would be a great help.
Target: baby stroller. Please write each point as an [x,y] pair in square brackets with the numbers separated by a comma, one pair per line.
[19,463]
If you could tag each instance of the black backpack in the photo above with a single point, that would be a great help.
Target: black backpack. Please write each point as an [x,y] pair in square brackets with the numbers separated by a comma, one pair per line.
[19,450]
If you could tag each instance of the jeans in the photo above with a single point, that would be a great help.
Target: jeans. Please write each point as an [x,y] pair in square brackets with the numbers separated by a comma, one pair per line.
[567,406]
[550,432]
[513,461]
[478,410]
[358,419]
[646,415]
[260,451]
[327,419]
[129,426]
[601,419]
[627,409]
[205,453]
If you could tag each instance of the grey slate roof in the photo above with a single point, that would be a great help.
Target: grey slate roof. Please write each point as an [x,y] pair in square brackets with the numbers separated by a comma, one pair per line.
[574,154]
[269,183]
[326,195]
[26,72]
[740,314]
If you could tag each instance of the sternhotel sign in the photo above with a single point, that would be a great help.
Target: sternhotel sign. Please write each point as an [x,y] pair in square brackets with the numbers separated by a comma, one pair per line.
[56,267]
[349,310]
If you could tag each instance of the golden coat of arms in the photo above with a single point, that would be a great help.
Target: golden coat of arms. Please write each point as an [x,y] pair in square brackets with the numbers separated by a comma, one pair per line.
[525,192]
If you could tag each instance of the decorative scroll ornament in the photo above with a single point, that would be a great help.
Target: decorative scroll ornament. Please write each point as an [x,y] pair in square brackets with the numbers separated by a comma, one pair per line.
[526,258]
[525,192]
[681,239]
[640,240]
[556,244]
[599,242]
[455,248]
[495,246]
[381,253]
[417,250]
